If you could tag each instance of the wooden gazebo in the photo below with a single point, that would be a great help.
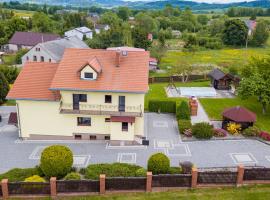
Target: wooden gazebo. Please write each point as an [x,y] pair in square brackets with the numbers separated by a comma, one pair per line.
[222,81]
[239,115]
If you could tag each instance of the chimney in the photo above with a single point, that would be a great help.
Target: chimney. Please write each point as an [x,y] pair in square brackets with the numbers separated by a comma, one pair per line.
[117,59]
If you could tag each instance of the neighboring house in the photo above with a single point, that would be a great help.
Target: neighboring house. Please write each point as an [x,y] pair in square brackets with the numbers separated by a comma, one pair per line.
[81,32]
[100,27]
[90,95]
[176,33]
[251,24]
[26,40]
[153,64]
[52,51]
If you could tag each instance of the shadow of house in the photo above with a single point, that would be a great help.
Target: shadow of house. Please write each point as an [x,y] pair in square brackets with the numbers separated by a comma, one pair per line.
[239,115]
[222,81]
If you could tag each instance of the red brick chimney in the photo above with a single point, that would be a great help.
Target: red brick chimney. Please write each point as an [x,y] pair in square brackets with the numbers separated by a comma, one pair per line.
[118,57]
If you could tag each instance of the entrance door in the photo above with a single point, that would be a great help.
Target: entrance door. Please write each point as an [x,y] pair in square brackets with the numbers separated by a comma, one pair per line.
[215,84]
[76,102]
[122,104]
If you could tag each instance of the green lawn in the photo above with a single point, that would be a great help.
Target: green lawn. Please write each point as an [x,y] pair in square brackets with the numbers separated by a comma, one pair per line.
[157,90]
[215,107]
[243,193]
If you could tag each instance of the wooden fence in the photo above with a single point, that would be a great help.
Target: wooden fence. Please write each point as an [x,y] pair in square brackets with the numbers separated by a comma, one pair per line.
[167,79]
[197,178]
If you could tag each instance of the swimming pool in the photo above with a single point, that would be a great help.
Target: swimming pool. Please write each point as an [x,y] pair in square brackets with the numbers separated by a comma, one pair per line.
[197,91]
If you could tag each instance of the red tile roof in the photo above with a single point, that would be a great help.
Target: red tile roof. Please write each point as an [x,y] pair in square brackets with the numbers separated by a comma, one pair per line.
[31,38]
[130,76]
[34,81]
[239,114]
[95,64]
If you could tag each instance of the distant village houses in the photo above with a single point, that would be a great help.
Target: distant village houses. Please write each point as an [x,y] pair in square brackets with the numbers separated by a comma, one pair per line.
[81,33]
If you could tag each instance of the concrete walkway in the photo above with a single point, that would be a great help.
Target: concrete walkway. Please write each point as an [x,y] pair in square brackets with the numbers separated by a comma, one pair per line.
[201,116]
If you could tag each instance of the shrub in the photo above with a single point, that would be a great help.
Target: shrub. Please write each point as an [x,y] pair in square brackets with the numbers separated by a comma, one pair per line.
[141,172]
[73,176]
[175,170]
[183,111]
[56,161]
[35,178]
[265,136]
[219,132]
[4,88]
[184,125]
[111,170]
[162,106]
[158,164]
[234,128]
[18,174]
[202,130]
[186,167]
[251,131]
[82,171]
[10,73]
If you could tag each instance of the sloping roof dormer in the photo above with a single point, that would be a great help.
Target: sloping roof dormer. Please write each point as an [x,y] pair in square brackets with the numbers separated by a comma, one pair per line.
[91,69]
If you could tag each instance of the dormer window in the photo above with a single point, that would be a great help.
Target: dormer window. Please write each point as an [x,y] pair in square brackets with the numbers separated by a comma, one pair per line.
[88,75]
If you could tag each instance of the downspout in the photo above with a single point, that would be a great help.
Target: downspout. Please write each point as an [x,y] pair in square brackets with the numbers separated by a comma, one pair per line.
[19,121]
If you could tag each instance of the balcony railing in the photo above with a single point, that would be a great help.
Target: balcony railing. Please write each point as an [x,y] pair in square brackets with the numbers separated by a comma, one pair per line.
[99,109]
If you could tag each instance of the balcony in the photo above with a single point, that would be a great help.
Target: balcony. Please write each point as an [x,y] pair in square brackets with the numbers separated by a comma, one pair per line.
[96,109]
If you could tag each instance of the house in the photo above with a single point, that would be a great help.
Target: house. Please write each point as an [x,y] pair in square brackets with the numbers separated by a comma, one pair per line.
[176,33]
[26,40]
[150,37]
[153,64]
[222,81]
[251,24]
[101,27]
[52,51]
[81,32]
[90,95]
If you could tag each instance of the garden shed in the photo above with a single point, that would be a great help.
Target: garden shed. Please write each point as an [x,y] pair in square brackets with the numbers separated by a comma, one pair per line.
[239,115]
[222,81]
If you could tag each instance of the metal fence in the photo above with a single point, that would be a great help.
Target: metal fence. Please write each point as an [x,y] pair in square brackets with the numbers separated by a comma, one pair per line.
[173,180]
[217,177]
[77,186]
[257,174]
[29,188]
[125,183]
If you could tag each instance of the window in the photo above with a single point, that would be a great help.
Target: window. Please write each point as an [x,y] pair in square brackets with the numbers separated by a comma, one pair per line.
[124,126]
[107,137]
[27,58]
[78,137]
[84,121]
[82,97]
[108,98]
[107,119]
[34,58]
[93,137]
[50,60]
[88,75]
[41,58]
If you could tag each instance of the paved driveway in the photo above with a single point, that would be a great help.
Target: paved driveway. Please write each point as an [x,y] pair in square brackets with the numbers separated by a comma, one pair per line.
[161,129]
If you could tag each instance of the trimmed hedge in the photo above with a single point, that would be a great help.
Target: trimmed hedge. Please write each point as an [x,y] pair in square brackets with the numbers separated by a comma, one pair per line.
[158,164]
[183,111]
[111,170]
[56,161]
[202,130]
[18,174]
[35,178]
[162,106]
[73,176]
[184,125]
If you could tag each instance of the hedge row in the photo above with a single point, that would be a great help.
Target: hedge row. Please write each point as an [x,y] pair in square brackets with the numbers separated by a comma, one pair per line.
[162,106]
[183,111]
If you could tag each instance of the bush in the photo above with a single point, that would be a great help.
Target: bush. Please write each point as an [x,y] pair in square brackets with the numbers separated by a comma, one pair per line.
[4,88]
[56,161]
[35,178]
[184,125]
[202,130]
[175,170]
[158,164]
[183,111]
[10,73]
[141,172]
[82,171]
[73,176]
[234,128]
[251,131]
[186,167]
[162,106]
[265,136]
[18,174]
[111,170]
[219,132]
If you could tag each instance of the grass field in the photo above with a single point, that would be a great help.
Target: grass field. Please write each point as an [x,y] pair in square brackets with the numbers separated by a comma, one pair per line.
[157,91]
[215,107]
[243,193]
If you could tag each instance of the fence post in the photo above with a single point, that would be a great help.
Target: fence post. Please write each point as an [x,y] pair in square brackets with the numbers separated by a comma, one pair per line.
[53,187]
[194,177]
[240,175]
[149,177]
[102,182]
[4,185]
